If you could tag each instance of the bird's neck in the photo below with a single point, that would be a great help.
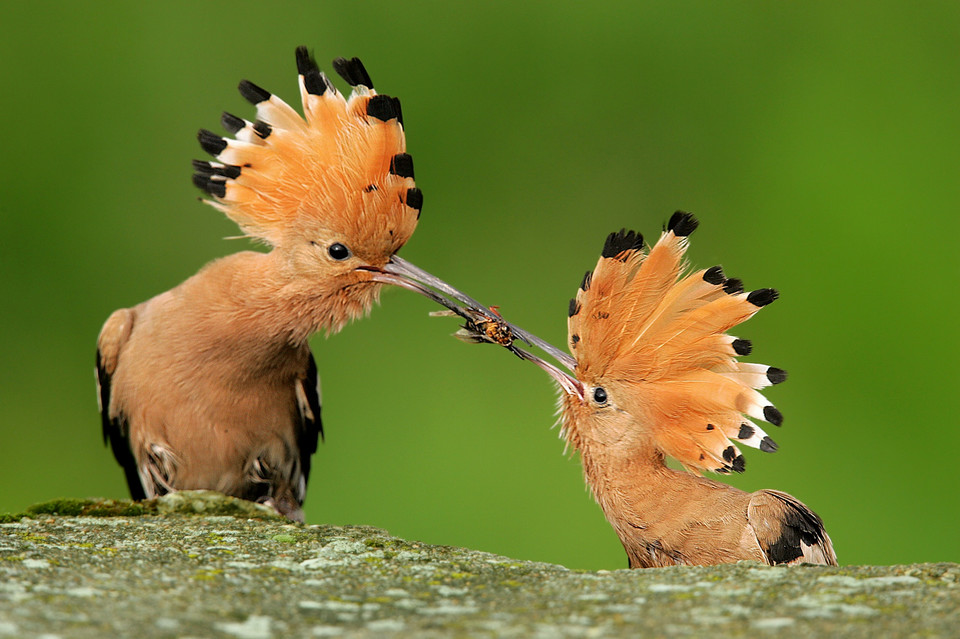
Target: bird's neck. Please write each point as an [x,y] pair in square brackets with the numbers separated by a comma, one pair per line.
[624,483]
[642,499]
[255,304]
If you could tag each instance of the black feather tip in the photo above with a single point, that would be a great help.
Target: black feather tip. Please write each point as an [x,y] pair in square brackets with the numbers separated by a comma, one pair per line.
[587,280]
[772,415]
[776,375]
[763,296]
[415,199]
[574,307]
[746,431]
[203,167]
[733,286]
[385,107]
[402,164]
[252,93]
[211,142]
[262,129]
[306,64]
[232,123]
[714,275]
[353,72]
[621,241]
[742,346]
[767,445]
[739,464]
[682,223]
[217,188]
[206,168]
[307,67]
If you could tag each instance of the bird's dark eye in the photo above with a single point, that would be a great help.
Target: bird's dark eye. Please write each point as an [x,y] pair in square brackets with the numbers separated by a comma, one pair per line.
[599,395]
[338,251]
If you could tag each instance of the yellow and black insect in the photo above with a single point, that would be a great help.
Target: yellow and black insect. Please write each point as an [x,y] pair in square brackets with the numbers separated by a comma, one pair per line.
[479,327]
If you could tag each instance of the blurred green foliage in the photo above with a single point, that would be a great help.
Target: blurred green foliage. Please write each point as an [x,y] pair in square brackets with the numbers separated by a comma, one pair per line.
[817,142]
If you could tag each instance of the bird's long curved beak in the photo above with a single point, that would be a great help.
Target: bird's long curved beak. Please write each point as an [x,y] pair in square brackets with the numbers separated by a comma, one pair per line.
[400,272]
[570,384]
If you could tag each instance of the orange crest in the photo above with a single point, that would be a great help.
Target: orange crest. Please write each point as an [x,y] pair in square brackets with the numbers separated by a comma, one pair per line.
[640,325]
[342,168]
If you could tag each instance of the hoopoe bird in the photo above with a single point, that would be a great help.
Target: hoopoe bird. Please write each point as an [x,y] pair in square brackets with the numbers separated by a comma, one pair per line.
[212,384]
[655,374]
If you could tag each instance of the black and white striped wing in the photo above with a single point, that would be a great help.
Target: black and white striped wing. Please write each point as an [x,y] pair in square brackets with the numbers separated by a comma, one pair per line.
[788,531]
[116,432]
[311,424]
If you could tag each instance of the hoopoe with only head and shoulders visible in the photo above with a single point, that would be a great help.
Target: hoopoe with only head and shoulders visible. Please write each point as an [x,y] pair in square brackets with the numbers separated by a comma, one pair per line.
[212,384]
[655,374]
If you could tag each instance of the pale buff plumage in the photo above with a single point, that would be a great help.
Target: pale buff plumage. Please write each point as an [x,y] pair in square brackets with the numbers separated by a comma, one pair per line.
[212,384]
[666,517]
[654,374]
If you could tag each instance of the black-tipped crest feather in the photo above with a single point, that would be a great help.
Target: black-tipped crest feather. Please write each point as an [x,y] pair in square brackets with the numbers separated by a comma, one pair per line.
[776,375]
[306,64]
[253,93]
[211,142]
[402,164]
[763,296]
[353,72]
[262,129]
[217,188]
[739,464]
[415,199]
[206,168]
[307,67]
[714,275]
[231,123]
[384,107]
[772,415]
[742,346]
[587,279]
[733,286]
[621,241]
[682,223]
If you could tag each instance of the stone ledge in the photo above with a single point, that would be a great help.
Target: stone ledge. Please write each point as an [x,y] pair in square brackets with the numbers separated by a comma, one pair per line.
[200,564]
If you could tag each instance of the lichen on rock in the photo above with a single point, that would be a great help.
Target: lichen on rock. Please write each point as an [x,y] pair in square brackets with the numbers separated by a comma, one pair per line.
[201,564]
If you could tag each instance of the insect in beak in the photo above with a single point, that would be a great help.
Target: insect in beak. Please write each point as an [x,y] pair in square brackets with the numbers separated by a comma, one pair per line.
[482,323]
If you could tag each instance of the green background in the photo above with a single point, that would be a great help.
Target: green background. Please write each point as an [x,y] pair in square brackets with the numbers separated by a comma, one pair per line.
[817,142]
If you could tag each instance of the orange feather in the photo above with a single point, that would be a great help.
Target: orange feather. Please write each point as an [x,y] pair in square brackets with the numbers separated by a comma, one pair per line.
[334,169]
[641,325]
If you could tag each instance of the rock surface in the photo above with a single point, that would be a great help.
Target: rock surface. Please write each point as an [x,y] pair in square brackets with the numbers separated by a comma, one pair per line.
[203,565]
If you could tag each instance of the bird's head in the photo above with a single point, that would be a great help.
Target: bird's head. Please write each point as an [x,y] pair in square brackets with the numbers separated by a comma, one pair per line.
[652,363]
[331,191]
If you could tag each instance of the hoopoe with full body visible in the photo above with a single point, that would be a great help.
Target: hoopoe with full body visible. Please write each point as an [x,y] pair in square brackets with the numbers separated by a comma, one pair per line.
[212,384]
[655,374]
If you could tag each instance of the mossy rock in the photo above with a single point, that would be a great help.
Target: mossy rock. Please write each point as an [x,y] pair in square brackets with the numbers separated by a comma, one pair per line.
[189,502]
[200,564]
